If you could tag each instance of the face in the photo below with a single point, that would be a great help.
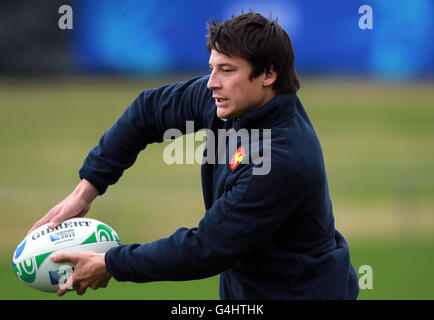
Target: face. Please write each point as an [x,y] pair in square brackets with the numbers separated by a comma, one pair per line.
[233,90]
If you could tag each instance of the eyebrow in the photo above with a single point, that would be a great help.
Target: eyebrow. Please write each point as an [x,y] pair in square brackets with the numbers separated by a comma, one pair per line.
[221,65]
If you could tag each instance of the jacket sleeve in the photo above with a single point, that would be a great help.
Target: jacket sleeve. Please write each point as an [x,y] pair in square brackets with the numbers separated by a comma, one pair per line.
[144,122]
[240,221]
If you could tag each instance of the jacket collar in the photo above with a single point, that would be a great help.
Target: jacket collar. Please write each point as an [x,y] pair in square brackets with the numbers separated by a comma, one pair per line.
[275,111]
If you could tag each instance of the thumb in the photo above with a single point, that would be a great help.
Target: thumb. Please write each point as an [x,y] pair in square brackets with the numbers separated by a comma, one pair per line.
[64,257]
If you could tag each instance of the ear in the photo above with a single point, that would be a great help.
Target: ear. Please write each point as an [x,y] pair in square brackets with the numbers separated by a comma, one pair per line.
[270,77]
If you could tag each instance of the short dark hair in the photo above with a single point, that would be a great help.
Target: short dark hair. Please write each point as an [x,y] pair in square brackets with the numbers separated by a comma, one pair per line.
[261,41]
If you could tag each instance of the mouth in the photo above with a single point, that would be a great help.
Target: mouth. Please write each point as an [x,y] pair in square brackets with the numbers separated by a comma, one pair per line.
[221,102]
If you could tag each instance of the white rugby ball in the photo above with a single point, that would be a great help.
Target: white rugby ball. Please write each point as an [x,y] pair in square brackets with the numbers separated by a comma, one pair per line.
[31,262]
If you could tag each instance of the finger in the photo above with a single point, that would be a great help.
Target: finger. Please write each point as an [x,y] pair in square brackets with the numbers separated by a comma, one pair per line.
[58,218]
[35,226]
[38,224]
[95,286]
[45,219]
[67,286]
[61,291]
[68,210]
[103,284]
[53,223]
[81,289]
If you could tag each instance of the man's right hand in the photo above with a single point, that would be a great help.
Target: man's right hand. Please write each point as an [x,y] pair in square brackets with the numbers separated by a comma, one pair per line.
[77,204]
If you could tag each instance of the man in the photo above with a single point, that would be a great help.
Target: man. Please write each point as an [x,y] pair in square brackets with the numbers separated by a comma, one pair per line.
[269,235]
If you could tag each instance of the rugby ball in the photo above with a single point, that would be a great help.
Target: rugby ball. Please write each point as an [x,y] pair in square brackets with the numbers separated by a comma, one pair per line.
[31,262]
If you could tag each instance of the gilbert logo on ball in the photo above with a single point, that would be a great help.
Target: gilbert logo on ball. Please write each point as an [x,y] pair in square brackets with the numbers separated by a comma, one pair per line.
[31,263]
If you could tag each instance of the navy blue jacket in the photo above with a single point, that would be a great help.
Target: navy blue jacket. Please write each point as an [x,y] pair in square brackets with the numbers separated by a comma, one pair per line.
[269,236]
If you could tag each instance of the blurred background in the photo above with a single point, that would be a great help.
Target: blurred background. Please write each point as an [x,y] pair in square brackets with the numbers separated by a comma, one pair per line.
[367,87]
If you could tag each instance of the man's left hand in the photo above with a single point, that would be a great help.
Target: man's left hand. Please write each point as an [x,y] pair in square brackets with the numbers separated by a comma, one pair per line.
[89,271]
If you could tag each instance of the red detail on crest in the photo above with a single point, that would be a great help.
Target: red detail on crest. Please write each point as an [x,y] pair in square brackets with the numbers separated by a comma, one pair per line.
[237,158]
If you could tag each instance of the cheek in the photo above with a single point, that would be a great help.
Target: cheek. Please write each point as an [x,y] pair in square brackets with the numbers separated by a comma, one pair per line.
[242,93]
[248,95]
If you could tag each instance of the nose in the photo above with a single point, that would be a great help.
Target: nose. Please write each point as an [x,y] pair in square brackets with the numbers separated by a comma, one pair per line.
[213,81]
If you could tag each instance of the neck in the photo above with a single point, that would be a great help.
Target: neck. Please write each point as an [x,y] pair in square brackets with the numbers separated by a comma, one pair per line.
[269,94]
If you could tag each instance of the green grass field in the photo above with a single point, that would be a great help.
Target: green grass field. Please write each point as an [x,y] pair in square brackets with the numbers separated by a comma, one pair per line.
[378,145]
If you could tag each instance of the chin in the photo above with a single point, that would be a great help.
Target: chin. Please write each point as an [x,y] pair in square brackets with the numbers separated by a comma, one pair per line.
[222,114]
